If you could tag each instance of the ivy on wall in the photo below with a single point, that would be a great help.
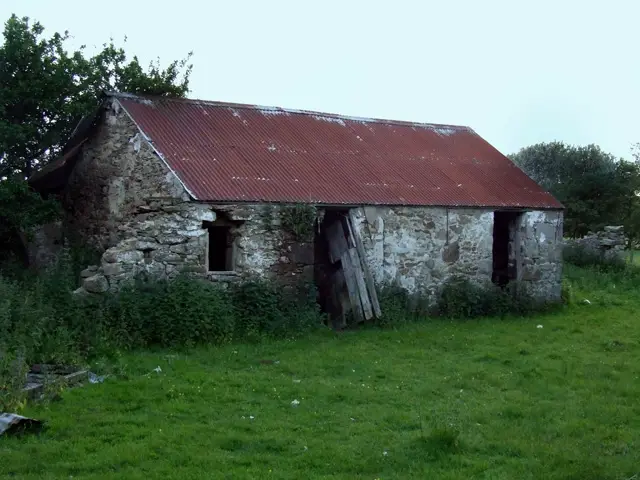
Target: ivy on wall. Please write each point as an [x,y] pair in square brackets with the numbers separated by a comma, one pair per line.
[299,220]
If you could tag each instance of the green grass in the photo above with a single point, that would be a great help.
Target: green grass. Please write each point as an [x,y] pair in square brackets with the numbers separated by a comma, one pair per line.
[482,399]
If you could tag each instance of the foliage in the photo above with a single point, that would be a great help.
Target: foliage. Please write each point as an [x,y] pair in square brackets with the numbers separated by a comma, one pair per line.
[596,188]
[264,308]
[395,303]
[42,316]
[299,220]
[458,298]
[492,398]
[13,371]
[461,298]
[46,90]
[21,209]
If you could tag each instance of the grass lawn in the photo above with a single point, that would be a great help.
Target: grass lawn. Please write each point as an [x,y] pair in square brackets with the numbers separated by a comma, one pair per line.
[487,399]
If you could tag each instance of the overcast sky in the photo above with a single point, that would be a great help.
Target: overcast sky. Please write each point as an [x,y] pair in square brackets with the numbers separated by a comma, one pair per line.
[518,73]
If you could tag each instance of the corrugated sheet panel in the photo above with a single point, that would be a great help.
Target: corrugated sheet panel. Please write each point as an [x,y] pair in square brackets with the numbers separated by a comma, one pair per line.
[229,152]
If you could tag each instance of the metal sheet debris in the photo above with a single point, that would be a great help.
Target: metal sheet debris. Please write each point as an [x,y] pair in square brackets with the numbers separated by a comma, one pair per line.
[14,424]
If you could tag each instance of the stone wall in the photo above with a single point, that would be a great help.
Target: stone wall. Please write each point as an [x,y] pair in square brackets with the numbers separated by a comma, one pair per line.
[419,248]
[44,245]
[608,243]
[118,179]
[169,239]
[539,255]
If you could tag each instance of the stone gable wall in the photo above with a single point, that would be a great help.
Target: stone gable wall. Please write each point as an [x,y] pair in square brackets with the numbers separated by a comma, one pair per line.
[116,179]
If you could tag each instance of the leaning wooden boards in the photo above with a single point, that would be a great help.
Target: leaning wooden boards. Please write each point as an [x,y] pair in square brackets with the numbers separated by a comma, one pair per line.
[347,248]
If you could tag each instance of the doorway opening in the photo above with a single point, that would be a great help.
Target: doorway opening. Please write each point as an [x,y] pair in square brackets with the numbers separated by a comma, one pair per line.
[221,243]
[505,247]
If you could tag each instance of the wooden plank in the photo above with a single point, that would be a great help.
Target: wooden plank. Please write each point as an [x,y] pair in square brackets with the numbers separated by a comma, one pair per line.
[352,287]
[362,286]
[371,286]
[337,241]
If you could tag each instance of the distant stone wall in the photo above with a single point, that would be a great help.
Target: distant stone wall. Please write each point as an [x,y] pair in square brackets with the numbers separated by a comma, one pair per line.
[608,243]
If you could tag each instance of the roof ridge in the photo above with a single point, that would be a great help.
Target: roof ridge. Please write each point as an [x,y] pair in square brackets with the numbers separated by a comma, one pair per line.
[280,110]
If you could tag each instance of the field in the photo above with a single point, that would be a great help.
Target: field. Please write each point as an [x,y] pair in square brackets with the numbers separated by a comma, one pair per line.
[548,397]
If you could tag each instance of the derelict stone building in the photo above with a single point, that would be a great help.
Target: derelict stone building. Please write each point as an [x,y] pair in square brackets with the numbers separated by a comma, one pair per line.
[229,192]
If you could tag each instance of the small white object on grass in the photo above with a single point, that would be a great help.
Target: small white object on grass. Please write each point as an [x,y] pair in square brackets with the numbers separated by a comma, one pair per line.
[587,302]
[385,453]
[157,369]
[295,403]
[93,378]
[539,326]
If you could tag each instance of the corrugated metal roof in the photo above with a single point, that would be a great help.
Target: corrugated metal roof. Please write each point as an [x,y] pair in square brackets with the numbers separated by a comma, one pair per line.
[231,152]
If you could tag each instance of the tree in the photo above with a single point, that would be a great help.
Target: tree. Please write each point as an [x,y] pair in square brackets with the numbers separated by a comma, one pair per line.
[596,188]
[632,206]
[46,90]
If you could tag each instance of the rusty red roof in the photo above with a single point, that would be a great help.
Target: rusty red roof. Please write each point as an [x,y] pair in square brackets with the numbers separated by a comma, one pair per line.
[230,152]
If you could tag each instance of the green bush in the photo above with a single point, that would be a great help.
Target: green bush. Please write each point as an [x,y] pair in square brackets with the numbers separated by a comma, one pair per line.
[13,370]
[398,306]
[182,312]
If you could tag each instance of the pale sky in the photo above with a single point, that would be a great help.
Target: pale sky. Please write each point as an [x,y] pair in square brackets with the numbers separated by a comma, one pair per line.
[516,72]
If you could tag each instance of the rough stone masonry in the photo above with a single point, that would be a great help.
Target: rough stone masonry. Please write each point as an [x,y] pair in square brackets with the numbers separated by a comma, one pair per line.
[123,200]
[610,242]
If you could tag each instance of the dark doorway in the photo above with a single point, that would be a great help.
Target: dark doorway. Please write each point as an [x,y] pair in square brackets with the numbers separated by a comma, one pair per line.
[328,275]
[220,248]
[504,247]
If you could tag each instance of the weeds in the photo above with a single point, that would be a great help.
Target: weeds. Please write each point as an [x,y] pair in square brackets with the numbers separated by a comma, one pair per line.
[13,372]
[458,298]
[299,220]
[41,321]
